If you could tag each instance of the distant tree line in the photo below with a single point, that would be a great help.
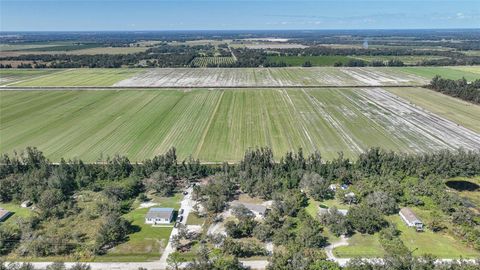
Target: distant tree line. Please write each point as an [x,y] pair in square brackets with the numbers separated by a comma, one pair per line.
[165,55]
[457,88]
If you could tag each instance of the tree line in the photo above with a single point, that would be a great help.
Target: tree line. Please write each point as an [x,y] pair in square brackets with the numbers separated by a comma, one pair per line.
[457,88]
[380,179]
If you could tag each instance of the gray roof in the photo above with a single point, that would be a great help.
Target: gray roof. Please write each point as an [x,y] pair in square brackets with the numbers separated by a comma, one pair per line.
[163,213]
[4,214]
[409,215]
[251,206]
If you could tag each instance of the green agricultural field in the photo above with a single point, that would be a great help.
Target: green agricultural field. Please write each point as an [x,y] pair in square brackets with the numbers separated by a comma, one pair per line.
[454,109]
[252,77]
[407,59]
[472,69]
[10,76]
[81,77]
[212,61]
[220,125]
[445,72]
[315,60]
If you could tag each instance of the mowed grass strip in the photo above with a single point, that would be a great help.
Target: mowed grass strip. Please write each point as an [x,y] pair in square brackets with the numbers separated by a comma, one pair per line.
[82,77]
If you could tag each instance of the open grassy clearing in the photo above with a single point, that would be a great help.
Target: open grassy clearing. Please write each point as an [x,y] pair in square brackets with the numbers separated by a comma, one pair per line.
[81,77]
[220,125]
[454,109]
[324,60]
[427,242]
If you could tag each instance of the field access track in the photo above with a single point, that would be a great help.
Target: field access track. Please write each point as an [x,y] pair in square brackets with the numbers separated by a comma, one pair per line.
[219,125]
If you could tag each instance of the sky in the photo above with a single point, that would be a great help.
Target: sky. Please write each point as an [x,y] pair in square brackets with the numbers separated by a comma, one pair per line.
[132,15]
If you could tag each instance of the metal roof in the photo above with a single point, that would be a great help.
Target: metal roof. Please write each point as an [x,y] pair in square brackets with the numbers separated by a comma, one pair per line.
[4,214]
[410,215]
[163,213]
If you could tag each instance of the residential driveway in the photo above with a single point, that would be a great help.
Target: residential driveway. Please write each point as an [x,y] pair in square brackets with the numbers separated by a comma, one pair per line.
[186,204]
[343,241]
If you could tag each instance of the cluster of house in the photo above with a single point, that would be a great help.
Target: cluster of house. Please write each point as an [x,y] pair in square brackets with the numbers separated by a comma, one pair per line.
[407,214]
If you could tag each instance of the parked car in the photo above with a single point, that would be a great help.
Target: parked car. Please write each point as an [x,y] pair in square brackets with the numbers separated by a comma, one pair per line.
[181,211]
[180,218]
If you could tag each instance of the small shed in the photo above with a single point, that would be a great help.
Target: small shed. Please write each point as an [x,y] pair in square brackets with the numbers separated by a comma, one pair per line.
[159,216]
[4,214]
[409,217]
[26,204]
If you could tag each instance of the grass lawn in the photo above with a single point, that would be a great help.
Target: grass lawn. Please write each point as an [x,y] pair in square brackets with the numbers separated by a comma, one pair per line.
[361,245]
[16,210]
[312,208]
[193,219]
[335,202]
[428,242]
[314,60]
[148,242]
[438,244]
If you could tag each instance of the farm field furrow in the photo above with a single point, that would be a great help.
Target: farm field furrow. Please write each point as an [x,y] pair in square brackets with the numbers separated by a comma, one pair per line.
[81,77]
[236,77]
[294,76]
[461,112]
[220,125]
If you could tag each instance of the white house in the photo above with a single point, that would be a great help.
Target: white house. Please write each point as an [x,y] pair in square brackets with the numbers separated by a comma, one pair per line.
[159,216]
[409,217]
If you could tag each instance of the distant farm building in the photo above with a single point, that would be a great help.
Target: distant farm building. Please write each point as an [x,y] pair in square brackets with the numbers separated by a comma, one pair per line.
[159,216]
[411,219]
[4,214]
[258,209]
